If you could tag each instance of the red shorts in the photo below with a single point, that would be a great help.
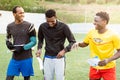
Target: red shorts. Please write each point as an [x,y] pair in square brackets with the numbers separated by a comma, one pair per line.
[106,74]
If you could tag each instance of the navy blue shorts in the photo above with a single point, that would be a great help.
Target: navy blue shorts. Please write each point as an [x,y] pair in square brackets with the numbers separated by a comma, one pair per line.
[23,66]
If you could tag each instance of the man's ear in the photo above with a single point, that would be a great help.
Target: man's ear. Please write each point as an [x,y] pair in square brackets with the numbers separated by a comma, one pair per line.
[105,21]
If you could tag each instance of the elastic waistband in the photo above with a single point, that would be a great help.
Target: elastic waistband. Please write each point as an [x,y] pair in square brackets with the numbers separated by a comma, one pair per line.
[51,57]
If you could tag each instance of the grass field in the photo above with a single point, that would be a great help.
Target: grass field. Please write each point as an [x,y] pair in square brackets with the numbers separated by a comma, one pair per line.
[77,67]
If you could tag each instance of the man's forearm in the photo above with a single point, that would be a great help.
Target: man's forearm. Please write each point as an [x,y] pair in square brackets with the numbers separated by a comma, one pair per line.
[116,56]
[82,44]
[68,48]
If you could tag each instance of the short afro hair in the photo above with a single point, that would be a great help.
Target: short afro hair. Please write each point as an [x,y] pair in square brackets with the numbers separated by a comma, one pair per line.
[103,15]
[50,13]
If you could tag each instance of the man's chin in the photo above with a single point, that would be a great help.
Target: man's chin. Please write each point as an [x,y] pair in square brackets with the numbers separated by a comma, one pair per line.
[96,28]
[20,21]
[51,25]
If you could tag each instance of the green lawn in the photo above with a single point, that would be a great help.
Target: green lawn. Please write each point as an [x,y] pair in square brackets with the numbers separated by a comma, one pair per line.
[77,67]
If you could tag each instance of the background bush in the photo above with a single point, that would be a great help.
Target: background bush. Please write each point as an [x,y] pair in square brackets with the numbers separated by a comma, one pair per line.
[28,5]
[69,11]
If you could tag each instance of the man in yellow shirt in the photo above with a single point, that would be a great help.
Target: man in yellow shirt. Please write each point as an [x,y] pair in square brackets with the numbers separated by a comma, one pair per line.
[102,43]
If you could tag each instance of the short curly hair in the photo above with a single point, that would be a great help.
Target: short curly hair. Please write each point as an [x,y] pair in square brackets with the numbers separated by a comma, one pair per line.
[103,15]
[50,13]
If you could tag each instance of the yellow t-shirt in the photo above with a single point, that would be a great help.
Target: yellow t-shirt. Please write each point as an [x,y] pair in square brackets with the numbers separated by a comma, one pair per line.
[103,46]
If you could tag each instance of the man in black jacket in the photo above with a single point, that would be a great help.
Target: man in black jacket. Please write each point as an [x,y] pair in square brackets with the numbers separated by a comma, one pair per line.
[55,33]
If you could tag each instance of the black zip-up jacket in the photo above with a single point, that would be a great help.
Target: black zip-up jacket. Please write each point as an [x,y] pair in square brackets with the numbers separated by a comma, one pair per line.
[55,38]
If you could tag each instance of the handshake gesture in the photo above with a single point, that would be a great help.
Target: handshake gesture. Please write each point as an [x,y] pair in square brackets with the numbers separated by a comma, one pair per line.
[14,48]
[75,46]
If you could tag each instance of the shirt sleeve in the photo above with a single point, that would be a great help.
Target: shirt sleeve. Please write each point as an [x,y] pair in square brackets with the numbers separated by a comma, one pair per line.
[30,44]
[8,34]
[40,38]
[32,34]
[32,31]
[70,38]
[86,39]
[116,41]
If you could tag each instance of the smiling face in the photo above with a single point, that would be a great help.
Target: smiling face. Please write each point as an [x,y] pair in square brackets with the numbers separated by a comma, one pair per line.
[51,18]
[51,21]
[99,23]
[101,19]
[19,15]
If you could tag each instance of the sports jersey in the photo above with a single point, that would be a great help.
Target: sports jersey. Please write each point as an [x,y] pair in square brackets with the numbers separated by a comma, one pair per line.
[21,34]
[103,46]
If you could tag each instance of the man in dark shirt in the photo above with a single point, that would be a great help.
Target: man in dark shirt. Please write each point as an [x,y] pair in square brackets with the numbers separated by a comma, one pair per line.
[24,38]
[55,33]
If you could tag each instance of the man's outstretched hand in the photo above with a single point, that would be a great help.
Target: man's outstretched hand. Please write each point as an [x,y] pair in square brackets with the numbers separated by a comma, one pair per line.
[75,46]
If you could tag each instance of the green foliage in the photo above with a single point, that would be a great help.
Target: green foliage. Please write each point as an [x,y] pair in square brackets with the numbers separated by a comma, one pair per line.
[88,1]
[38,9]
[65,1]
[69,11]
[100,1]
[70,18]
[28,5]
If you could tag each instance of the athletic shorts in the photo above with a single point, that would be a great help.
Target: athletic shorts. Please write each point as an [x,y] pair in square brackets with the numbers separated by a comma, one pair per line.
[106,74]
[23,66]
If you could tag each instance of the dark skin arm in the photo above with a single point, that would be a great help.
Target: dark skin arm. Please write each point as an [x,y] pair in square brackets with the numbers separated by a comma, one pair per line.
[82,44]
[106,61]
[75,45]
[61,54]
[79,44]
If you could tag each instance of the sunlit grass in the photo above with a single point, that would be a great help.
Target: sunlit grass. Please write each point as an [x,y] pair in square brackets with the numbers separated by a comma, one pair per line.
[77,67]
